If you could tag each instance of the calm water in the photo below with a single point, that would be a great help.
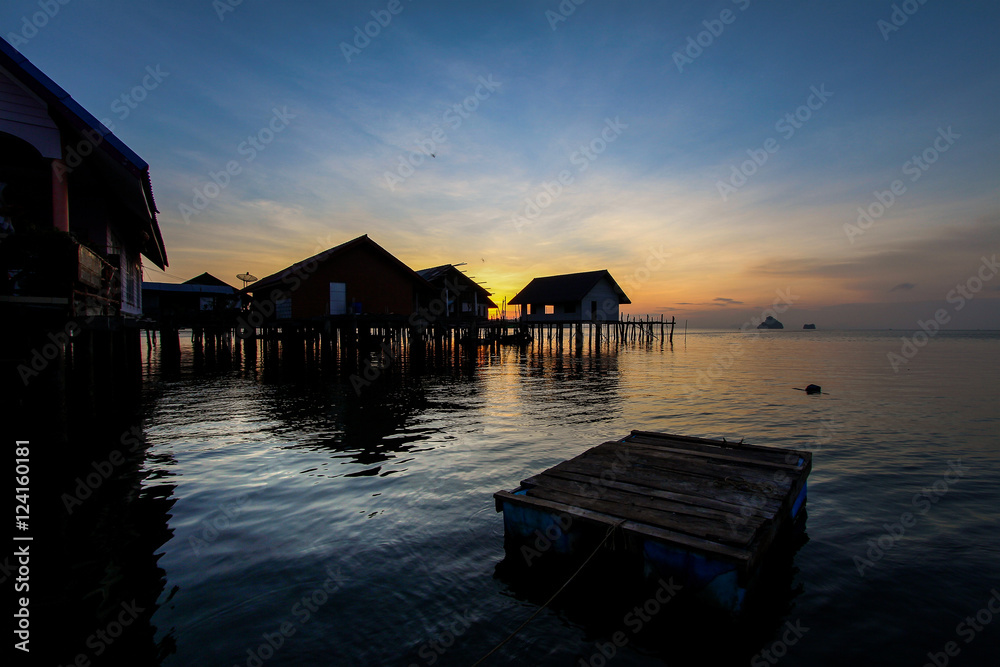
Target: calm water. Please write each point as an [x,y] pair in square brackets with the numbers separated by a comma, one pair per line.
[274,482]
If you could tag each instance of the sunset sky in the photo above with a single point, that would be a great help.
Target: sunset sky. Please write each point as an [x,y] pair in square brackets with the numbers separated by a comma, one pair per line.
[709,154]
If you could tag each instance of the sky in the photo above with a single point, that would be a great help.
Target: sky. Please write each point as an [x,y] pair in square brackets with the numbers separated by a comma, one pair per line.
[839,160]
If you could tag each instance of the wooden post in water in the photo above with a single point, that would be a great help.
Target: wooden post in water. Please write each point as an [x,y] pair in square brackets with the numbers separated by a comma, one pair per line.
[250,346]
[170,350]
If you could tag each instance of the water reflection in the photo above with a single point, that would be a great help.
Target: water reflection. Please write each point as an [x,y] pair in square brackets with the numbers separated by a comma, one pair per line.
[370,408]
[609,596]
[200,399]
[101,505]
[406,510]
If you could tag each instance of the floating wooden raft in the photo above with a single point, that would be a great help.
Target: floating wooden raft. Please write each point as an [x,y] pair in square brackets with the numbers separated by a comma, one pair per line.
[703,511]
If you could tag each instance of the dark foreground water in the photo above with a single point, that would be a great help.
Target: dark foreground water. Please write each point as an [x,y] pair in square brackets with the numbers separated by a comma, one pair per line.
[293,522]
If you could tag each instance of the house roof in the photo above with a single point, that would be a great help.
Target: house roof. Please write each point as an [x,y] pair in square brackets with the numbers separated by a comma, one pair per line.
[276,279]
[208,279]
[435,272]
[125,171]
[566,287]
[189,288]
[440,273]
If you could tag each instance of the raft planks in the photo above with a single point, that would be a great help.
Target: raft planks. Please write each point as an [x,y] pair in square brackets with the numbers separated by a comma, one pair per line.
[685,504]
[748,476]
[680,539]
[722,499]
[655,475]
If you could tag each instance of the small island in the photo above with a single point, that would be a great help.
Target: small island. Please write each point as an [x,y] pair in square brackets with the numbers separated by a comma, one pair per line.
[770,323]
[808,326]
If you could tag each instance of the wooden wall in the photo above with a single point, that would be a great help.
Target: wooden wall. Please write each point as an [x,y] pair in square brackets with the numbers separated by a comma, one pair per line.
[378,283]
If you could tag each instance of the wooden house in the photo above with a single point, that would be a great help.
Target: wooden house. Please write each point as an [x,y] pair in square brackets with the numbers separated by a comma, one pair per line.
[359,277]
[591,296]
[465,298]
[76,205]
[200,301]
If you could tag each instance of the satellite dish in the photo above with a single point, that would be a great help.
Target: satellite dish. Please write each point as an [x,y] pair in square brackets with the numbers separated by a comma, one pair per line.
[246,278]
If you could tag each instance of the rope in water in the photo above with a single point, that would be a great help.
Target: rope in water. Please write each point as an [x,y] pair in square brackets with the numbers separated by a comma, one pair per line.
[554,595]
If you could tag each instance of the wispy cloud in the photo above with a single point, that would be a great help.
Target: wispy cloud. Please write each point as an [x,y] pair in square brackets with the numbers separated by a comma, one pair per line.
[654,186]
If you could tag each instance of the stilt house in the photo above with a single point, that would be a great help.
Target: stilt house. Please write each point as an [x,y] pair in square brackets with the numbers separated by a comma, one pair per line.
[358,276]
[76,205]
[465,298]
[591,296]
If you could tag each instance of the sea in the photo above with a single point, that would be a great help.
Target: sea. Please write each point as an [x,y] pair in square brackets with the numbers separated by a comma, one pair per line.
[278,513]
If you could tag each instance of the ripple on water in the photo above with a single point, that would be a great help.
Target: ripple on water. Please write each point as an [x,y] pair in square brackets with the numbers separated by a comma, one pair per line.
[393,490]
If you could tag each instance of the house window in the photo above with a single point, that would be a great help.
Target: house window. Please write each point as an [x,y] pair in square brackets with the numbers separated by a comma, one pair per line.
[549,310]
[338,298]
[569,308]
[283,308]
[130,282]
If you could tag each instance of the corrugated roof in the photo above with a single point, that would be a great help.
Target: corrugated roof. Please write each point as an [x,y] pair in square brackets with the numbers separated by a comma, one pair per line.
[61,104]
[435,272]
[441,272]
[565,287]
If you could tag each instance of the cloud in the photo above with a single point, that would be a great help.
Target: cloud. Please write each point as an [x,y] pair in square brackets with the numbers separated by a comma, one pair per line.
[946,253]
[323,180]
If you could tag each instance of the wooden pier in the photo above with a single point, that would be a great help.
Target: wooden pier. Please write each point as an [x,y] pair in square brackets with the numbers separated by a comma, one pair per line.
[703,511]
[352,330]
[353,341]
